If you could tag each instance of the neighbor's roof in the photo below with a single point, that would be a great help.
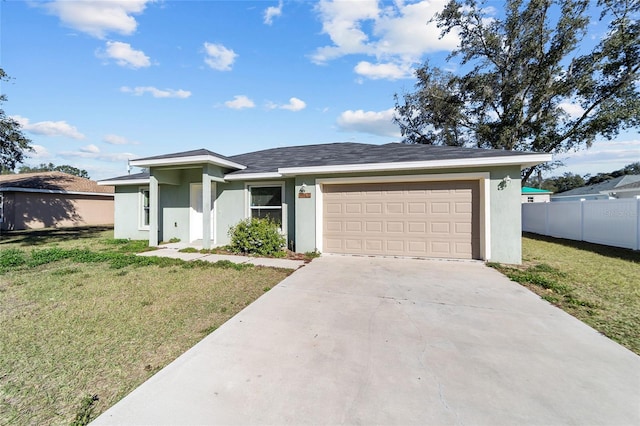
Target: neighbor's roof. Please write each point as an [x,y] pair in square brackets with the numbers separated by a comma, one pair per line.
[530,190]
[51,182]
[598,188]
[337,158]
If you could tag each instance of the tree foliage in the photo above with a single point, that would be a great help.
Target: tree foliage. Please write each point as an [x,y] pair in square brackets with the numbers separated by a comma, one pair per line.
[563,183]
[570,181]
[13,144]
[629,169]
[53,168]
[527,85]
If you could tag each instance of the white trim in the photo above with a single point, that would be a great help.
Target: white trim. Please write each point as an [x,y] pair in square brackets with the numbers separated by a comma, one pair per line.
[124,182]
[141,225]
[212,219]
[521,160]
[484,183]
[52,191]
[192,159]
[251,176]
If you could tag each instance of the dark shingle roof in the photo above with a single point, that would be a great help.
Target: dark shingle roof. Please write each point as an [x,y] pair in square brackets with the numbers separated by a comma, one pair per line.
[336,154]
[53,181]
[602,186]
[333,154]
[135,176]
[193,153]
[633,185]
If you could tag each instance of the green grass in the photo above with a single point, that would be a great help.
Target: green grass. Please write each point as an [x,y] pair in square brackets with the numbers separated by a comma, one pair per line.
[597,284]
[84,321]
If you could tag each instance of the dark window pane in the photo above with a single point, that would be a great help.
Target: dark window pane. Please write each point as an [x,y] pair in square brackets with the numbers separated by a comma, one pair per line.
[266,196]
[273,214]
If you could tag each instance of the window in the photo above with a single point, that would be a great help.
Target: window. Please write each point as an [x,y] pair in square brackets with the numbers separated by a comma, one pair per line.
[529,199]
[144,208]
[266,202]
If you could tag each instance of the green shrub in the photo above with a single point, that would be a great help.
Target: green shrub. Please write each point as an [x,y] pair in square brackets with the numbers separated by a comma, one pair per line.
[11,258]
[257,236]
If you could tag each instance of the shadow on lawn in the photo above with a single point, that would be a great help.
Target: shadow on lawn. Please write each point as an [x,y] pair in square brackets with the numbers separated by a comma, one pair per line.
[608,251]
[34,237]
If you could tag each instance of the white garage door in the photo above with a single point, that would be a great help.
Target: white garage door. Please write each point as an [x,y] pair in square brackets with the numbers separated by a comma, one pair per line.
[430,219]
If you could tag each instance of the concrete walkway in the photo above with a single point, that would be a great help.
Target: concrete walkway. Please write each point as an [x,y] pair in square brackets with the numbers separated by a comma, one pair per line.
[173,250]
[358,340]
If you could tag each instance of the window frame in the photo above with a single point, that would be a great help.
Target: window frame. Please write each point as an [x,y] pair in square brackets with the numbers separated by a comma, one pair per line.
[141,207]
[283,205]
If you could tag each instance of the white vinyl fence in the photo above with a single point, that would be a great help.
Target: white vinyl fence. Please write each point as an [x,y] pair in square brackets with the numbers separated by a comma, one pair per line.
[610,222]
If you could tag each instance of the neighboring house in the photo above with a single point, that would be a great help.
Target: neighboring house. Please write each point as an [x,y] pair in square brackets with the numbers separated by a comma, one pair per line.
[630,190]
[535,195]
[351,198]
[53,199]
[600,191]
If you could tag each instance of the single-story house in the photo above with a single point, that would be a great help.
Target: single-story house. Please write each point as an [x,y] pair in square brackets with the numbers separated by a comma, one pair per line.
[629,190]
[608,189]
[535,195]
[351,198]
[53,199]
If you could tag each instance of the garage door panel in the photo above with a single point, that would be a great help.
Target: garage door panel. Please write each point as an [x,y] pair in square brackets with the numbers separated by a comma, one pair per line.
[429,219]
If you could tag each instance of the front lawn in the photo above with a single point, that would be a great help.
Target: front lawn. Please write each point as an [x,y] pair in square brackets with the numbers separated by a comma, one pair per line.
[597,284]
[80,316]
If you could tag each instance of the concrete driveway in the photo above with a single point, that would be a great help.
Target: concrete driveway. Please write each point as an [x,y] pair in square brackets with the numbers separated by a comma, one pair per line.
[358,340]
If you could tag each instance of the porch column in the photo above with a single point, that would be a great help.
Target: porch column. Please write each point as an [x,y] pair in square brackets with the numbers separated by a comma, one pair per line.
[153,211]
[206,208]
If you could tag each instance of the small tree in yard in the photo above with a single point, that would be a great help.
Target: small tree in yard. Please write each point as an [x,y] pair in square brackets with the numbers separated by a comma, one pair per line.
[257,236]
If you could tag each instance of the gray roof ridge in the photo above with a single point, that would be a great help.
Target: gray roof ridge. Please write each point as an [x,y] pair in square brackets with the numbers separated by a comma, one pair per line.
[190,153]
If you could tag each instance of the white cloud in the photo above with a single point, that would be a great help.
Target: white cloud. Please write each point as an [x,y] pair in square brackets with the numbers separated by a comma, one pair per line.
[117,140]
[603,156]
[387,71]
[49,128]
[373,122]
[573,110]
[240,102]
[294,104]
[156,93]
[124,55]
[92,152]
[39,151]
[397,35]
[92,149]
[219,57]
[272,12]
[98,17]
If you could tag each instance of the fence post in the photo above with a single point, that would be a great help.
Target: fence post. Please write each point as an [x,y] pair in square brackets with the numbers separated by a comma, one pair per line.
[582,200]
[638,222]
[546,218]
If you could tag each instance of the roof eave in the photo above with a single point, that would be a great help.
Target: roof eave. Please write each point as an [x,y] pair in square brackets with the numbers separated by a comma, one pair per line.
[188,160]
[123,182]
[52,191]
[253,176]
[521,160]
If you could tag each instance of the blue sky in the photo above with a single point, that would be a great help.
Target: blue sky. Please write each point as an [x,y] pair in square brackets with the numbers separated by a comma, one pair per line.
[97,82]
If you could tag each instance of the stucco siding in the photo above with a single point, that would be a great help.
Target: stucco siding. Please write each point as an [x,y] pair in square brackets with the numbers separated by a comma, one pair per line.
[127,214]
[506,220]
[33,210]
[229,209]
[503,205]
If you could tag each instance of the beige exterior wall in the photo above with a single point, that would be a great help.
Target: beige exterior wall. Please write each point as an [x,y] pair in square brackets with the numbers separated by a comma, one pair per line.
[30,210]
